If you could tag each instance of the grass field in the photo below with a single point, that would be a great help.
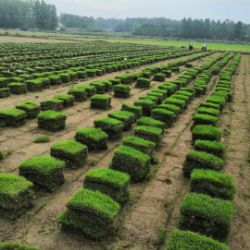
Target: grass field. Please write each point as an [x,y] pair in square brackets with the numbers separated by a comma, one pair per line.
[176,43]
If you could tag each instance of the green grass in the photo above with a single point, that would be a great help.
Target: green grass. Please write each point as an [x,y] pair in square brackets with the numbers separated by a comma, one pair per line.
[16,246]
[68,147]
[43,164]
[41,139]
[213,147]
[12,112]
[206,132]
[148,121]
[51,115]
[181,240]
[27,106]
[96,202]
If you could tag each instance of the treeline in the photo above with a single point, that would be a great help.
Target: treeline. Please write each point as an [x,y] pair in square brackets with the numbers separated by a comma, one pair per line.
[26,15]
[163,27]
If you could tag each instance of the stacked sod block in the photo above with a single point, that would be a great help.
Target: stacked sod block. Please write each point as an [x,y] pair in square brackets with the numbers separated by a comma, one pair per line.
[68,100]
[147,106]
[160,77]
[212,183]
[115,81]
[171,107]
[90,213]
[17,88]
[154,99]
[73,153]
[121,91]
[111,126]
[149,133]
[16,195]
[4,81]
[94,138]
[206,215]
[131,161]
[4,92]
[208,111]
[178,102]
[210,105]
[145,146]
[34,85]
[163,115]
[4,245]
[89,89]
[126,117]
[137,110]
[100,102]
[12,117]
[32,109]
[53,104]
[51,120]
[143,83]
[181,240]
[159,96]
[100,87]
[110,182]
[206,132]
[148,121]
[220,100]
[204,119]
[181,97]
[212,147]
[201,160]
[80,93]
[44,171]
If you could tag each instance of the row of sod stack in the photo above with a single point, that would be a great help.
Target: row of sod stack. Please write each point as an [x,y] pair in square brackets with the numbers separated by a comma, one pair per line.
[85,213]
[207,211]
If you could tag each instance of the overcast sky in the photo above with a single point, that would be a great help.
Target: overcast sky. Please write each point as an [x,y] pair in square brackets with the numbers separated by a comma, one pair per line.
[175,9]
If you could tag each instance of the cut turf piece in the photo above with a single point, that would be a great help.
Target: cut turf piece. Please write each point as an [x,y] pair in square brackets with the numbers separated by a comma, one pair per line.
[110,182]
[208,111]
[203,119]
[171,107]
[90,90]
[101,102]
[217,100]
[17,88]
[145,146]
[181,240]
[12,117]
[210,105]
[80,94]
[149,133]
[94,138]
[53,104]
[44,171]
[163,115]
[111,126]
[90,213]
[206,132]
[178,102]
[4,92]
[147,106]
[68,100]
[201,160]
[160,77]
[151,98]
[212,183]
[132,108]
[16,195]
[51,120]
[32,109]
[122,91]
[131,161]
[4,245]
[212,147]
[73,153]
[148,121]
[143,83]
[126,117]
[206,215]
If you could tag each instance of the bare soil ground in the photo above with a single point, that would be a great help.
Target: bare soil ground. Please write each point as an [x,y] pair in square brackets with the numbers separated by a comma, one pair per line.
[16,39]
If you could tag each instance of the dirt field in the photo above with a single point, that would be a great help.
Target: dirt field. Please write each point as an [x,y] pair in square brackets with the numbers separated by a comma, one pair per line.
[153,209]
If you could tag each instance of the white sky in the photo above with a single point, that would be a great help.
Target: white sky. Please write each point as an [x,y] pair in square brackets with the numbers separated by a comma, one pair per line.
[237,10]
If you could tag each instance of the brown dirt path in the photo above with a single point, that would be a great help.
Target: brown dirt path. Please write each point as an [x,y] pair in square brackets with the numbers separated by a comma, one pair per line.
[236,133]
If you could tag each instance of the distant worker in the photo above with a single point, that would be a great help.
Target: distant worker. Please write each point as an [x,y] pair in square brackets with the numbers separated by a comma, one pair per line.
[204,47]
[125,58]
[190,47]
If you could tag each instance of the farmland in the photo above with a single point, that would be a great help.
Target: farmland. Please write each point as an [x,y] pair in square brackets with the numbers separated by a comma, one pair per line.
[107,145]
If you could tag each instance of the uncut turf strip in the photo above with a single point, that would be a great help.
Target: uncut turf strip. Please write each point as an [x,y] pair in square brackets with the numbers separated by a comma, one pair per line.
[39,226]
[62,89]
[235,124]
[19,141]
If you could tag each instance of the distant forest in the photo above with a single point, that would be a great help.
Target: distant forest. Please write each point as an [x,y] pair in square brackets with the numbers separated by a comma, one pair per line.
[37,14]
